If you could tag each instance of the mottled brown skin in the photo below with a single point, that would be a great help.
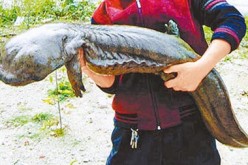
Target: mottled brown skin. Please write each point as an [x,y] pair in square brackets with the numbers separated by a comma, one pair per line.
[115,50]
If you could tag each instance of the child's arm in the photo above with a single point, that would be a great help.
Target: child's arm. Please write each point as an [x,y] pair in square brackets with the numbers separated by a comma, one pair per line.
[190,74]
[103,81]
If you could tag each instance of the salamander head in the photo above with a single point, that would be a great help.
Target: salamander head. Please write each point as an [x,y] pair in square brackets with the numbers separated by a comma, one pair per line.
[34,54]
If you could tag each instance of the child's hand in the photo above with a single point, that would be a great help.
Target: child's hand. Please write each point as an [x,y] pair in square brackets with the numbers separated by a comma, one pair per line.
[189,76]
[82,61]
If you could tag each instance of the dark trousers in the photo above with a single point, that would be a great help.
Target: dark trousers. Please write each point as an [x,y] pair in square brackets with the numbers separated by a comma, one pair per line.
[187,144]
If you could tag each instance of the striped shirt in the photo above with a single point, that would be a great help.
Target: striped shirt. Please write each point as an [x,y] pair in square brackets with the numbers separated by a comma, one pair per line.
[224,19]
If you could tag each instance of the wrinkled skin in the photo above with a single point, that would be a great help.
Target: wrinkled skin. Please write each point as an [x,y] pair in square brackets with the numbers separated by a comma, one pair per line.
[33,55]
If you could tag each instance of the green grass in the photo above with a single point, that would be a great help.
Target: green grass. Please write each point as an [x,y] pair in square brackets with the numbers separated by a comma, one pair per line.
[46,123]
[42,117]
[19,120]
[34,12]
[59,132]
[208,33]
[61,93]
[39,118]
[64,90]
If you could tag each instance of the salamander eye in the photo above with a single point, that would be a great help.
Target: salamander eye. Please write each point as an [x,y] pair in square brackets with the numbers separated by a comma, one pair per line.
[64,39]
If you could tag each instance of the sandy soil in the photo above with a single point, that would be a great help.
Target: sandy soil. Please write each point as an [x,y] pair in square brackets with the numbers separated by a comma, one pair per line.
[88,123]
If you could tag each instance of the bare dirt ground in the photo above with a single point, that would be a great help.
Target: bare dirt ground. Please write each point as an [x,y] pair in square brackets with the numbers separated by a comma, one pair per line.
[88,123]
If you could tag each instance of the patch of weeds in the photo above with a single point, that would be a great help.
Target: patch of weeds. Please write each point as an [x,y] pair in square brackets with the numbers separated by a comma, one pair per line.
[227,58]
[245,54]
[45,119]
[59,132]
[62,92]
[8,15]
[71,10]
[34,12]
[19,120]
[42,117]
[46,123]
[208,33]
[49,100]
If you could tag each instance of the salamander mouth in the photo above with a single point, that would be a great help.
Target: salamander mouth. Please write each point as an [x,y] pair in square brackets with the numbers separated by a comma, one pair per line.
[9,78]
[13,80]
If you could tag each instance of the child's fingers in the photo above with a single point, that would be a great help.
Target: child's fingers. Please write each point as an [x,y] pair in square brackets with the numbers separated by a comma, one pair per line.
[81,57]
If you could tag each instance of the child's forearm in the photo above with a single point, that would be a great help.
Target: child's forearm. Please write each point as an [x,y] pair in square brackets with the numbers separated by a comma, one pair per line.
[217,50]
[104,81]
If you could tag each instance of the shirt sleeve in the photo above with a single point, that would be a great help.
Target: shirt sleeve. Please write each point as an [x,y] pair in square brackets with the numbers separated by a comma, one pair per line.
[224,19]
[113,88]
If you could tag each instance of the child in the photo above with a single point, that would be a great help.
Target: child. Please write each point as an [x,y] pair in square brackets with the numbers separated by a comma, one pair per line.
[158,122]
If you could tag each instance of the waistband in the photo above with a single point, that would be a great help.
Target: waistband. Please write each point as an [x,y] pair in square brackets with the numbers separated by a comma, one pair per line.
[195,118]
[131,120]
